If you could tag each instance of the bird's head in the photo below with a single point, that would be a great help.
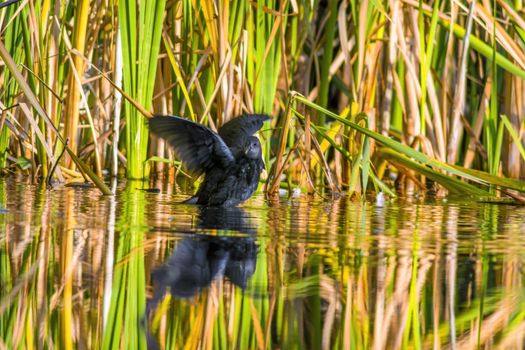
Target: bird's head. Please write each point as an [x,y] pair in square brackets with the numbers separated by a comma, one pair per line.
[252,149]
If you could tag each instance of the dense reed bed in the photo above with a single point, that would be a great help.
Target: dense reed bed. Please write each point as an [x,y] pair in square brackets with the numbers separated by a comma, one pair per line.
[436,88]
[382,96]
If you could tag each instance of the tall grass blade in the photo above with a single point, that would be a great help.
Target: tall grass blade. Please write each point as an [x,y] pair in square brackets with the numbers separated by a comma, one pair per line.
[141,29]
[36,105]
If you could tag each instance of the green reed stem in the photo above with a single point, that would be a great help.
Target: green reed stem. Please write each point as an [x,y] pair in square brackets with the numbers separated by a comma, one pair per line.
[140,49]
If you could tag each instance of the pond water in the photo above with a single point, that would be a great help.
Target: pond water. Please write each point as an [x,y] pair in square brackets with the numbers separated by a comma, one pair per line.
[81,270]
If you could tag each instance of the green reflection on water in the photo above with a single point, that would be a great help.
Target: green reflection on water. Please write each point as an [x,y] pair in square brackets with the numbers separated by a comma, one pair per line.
[128,294]
[412,274]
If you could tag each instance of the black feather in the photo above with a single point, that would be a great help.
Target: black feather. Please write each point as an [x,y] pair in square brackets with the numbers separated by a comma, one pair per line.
[197,146]
[237,131]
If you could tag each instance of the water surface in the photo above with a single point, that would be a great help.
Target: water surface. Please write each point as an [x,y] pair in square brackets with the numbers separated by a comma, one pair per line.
[81,270]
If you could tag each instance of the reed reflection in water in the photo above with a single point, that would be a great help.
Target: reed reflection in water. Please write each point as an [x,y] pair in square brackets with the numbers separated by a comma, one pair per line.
[79,270]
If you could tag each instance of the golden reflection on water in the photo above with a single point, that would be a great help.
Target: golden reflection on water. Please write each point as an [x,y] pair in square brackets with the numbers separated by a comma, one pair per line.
[80,270]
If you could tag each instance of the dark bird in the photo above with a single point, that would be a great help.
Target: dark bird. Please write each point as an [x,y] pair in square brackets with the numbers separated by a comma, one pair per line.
[231,160]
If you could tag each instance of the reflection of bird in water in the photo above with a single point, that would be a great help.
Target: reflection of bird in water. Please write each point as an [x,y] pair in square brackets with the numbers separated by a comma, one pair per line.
[231,160]
[200,259]
[225,218]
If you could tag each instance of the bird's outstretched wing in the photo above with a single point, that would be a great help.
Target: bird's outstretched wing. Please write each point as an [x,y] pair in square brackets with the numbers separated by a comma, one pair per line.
[7,3]
[238,130]
[197,146]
